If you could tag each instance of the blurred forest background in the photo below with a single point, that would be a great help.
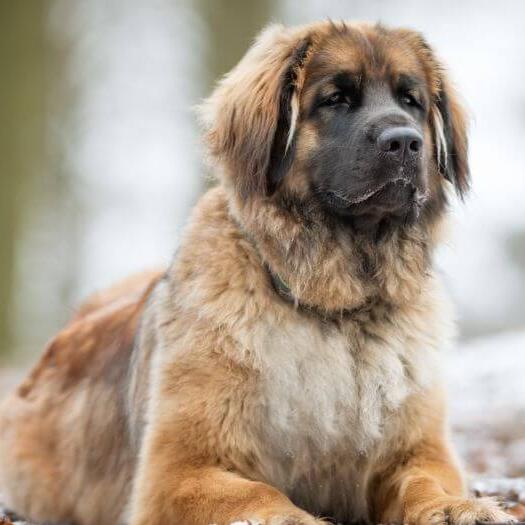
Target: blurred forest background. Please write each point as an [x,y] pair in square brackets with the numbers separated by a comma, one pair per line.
[100,158]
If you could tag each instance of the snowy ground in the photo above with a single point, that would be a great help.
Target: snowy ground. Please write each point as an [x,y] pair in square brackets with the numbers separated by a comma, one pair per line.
[487,404]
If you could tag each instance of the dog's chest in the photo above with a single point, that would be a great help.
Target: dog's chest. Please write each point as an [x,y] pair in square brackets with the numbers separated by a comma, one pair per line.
[330,402]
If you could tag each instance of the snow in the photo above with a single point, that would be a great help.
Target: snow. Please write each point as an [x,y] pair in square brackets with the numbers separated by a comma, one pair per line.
[514,489]
[487,403]
[487,376]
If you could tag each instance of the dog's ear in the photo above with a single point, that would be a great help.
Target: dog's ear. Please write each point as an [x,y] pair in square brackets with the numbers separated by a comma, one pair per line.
[447,116]
[450,136]
[251,116]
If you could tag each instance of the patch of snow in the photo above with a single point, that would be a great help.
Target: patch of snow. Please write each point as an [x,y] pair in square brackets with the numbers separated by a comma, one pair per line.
[511,489]
[487,403]
[487,379]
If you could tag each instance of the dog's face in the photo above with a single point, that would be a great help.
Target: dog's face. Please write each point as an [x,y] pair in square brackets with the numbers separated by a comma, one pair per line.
[358,118]
[368,105]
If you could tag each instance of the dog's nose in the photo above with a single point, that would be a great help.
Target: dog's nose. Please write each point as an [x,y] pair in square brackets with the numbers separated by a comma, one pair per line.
[400,143]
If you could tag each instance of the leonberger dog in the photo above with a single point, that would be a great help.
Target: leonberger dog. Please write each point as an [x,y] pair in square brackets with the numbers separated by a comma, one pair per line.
[285,369]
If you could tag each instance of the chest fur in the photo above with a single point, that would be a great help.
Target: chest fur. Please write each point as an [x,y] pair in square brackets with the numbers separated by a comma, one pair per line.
[329,385]
[331,399]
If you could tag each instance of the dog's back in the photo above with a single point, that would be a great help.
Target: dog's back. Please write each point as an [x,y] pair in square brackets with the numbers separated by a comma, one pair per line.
[45,459]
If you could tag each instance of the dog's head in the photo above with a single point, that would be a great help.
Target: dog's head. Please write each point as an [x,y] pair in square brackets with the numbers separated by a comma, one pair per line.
[359,118]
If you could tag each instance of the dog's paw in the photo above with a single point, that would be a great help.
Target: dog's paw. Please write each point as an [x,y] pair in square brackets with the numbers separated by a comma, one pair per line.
[458,511]
[294,520]
[287,519]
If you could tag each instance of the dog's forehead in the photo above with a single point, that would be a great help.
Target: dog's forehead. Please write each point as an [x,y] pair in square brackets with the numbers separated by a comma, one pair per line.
[371,52]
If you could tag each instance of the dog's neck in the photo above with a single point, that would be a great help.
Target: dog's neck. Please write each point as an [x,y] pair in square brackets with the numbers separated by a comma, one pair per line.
[327,268]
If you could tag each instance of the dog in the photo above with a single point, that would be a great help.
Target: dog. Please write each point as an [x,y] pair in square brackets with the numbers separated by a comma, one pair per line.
[286,367]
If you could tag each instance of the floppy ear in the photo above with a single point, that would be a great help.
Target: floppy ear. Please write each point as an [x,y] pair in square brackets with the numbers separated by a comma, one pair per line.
[250,117]
[450,136]
[447,117]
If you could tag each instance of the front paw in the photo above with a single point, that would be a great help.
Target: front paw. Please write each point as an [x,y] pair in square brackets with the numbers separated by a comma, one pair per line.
[281,519]
[457,511]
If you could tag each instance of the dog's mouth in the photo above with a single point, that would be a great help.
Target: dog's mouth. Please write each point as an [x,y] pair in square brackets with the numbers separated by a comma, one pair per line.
[394,193]
[368,193]
[396,201]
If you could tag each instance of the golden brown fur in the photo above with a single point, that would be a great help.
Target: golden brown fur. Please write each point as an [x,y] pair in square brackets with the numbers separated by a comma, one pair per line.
[227,403]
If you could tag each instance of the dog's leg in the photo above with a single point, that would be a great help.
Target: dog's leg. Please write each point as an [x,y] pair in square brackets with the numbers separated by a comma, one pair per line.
[180,479]
[428,489]
[182,495]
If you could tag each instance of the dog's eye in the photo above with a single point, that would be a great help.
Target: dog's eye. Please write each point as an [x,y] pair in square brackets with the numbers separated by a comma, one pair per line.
[410,100]
[336,99]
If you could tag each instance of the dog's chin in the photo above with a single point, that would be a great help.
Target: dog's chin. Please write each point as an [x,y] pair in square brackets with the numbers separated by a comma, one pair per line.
[395,203]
